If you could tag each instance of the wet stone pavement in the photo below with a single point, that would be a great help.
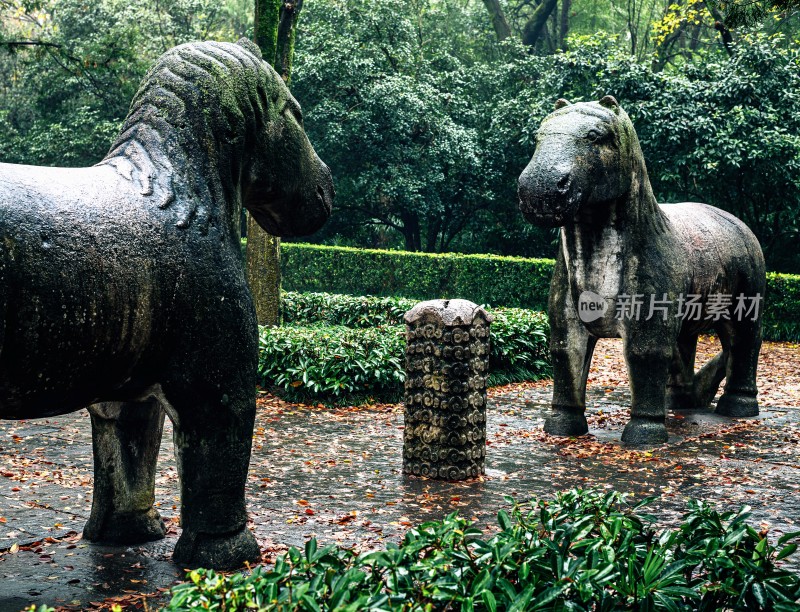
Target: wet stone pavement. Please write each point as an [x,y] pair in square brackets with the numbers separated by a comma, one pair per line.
[337,475]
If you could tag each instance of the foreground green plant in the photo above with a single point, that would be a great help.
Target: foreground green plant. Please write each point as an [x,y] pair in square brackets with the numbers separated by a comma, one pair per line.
[585,550]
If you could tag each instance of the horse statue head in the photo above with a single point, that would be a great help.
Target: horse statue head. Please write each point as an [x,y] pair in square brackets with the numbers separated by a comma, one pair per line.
[587,156]
[214,127]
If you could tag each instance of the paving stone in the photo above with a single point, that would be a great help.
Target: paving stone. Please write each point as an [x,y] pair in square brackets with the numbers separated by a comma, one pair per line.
[337,474]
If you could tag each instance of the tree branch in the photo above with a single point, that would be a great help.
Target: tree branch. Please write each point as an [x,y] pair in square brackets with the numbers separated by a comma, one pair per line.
[28,43]
[501,27]
[724,32]
[533,28]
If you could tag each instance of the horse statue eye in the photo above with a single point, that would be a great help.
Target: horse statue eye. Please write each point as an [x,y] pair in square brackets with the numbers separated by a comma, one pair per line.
[593,135]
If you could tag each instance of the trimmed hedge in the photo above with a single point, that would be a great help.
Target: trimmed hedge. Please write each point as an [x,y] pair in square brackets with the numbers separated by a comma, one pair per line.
[341,348]
[582,551]
[485,279]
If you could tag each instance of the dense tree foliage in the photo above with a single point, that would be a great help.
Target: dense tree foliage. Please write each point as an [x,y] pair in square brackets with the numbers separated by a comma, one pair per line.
[69,68]
[427,121]
[426,110]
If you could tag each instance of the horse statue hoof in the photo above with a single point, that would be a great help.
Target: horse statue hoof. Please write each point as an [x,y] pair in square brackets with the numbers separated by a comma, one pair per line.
[641,432]
[565,423]
[125,527]
[223,551]
[735,405]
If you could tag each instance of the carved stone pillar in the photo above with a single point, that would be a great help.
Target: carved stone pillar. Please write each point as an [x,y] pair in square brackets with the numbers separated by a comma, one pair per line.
[447,364]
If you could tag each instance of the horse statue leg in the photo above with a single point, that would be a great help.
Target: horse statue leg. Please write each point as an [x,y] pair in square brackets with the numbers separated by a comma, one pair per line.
[571,348]
[680,386]
[742,339]
[648,349]
[211,389]
[126,437]
[687,389]
[708,379]
[213,436]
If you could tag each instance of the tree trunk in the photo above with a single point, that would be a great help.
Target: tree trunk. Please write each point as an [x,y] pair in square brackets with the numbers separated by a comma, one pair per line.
[535,25]
[275,27]
[566,7]
[695,42]
[411,231]
[264,272]
[266,28]
[633,25]
[501,27]
[287,29]
[724,32]
[432,234]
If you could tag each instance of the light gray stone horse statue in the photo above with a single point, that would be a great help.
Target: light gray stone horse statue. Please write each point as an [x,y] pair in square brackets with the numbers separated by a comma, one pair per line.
[121,288]
[627,267]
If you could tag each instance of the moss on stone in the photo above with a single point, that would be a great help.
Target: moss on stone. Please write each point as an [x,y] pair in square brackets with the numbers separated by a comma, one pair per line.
[266,28]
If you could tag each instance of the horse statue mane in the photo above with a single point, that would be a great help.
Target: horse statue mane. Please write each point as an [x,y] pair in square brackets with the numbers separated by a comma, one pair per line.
[200,102]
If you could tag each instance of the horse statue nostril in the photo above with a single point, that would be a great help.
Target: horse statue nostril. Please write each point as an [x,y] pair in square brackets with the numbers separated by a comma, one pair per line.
[563,184]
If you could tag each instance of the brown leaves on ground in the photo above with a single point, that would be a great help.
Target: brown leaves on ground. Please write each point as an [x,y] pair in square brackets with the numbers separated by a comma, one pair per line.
[778,368]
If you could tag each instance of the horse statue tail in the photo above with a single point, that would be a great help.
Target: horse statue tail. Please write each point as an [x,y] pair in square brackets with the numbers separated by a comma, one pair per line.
[707,379]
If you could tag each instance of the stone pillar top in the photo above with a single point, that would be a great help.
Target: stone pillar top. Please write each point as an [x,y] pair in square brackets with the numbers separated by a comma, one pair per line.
[450,312]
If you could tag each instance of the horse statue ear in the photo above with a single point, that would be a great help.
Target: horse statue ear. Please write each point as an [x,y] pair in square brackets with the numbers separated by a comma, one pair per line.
[561,103]
[250,46]
[610,102]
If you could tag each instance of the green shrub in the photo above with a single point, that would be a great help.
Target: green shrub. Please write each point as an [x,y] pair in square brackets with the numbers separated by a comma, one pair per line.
[484,279]
[338,309]
[329,362]
[782,307]
[519,346]
[340,348]
[585,550]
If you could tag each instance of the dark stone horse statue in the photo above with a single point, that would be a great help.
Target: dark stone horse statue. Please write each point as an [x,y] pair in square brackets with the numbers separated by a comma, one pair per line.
[588,177]
[122,289]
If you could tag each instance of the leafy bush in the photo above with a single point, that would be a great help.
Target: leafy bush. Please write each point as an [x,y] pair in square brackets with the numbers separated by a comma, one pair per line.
[80,138]
[338,309]
[519,346]
[782,310]
[333,362]
[485,279]
[345,348]
[586,550]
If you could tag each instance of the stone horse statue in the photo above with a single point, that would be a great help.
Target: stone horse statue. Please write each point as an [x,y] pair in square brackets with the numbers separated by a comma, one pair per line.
[619,246]
[122,289]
